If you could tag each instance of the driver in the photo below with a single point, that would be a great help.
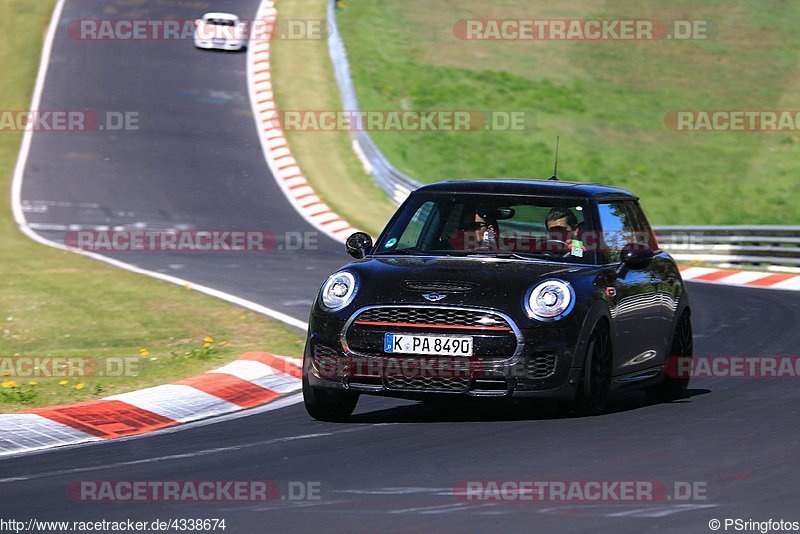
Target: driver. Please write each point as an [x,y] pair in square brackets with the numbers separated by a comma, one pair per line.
[476,230]
[563,223]
[562,226]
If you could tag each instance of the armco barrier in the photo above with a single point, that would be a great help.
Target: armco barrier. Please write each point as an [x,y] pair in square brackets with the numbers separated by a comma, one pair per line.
[738,245]
[396,184]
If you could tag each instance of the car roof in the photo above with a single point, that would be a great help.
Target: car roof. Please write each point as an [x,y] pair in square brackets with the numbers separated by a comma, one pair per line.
[224,16]
[509,186]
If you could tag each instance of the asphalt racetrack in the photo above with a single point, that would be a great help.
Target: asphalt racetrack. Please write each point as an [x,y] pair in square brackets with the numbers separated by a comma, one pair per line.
[195,163]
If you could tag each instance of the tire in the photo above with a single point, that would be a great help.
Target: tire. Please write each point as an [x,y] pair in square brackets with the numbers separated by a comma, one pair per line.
[673,388]
[328,405]
[596,384]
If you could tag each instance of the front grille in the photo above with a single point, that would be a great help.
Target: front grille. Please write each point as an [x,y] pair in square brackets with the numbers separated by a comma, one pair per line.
[437,317]
[440,286]
[326,360]
[494,337]
[541,365]
[436,383]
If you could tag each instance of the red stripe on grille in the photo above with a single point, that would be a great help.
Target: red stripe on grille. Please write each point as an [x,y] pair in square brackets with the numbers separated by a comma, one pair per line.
[427,325]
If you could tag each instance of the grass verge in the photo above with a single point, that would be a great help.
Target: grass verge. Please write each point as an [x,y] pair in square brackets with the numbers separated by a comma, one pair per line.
[303,80]
[607,100]
[58,304]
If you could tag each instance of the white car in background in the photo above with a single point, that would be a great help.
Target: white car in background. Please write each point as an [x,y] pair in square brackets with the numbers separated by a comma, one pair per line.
[221,31]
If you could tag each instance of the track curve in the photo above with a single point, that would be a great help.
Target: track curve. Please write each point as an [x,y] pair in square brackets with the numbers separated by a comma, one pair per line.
[195,163]
[393,466]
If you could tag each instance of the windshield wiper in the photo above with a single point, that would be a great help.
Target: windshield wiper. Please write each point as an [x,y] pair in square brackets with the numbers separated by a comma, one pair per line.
[512,256]
[399,251]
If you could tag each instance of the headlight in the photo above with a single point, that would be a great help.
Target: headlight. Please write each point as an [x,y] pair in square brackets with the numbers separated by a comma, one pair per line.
[338,291]
[550,300]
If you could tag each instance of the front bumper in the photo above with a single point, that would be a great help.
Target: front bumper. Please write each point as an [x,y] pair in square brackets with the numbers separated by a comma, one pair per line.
[227,45]
[542,366]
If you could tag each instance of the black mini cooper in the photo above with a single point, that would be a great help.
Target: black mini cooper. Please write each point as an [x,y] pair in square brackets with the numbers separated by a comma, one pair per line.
[502,288]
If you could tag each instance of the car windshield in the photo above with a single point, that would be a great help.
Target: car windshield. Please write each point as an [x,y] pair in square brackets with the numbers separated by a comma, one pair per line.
[522,227]
[221,22]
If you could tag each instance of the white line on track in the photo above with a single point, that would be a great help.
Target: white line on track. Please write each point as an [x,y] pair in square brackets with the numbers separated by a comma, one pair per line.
[439,508]
[25,228]
[191,454]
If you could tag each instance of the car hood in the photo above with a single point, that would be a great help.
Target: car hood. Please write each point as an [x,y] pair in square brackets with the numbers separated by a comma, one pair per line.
[492,282]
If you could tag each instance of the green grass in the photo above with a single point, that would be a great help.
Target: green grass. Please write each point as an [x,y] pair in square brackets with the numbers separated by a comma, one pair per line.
[303,80]
[606,100]
[55,303]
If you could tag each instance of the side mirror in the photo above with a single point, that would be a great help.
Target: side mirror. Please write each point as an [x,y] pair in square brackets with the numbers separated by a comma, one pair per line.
[636,256]
[358,245]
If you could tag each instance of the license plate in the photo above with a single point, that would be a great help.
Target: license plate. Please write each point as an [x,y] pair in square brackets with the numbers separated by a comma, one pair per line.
[219,42]
[431,345]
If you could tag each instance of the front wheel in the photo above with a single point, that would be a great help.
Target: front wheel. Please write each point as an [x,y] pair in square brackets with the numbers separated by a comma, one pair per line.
[328,404]
[671,387]
[596,384]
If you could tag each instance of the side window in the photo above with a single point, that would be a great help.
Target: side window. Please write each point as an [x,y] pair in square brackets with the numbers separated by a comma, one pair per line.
[617,227]
[416,226]
[644,231]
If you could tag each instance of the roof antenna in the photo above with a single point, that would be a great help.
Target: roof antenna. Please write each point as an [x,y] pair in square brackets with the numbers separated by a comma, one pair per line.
[555,167]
